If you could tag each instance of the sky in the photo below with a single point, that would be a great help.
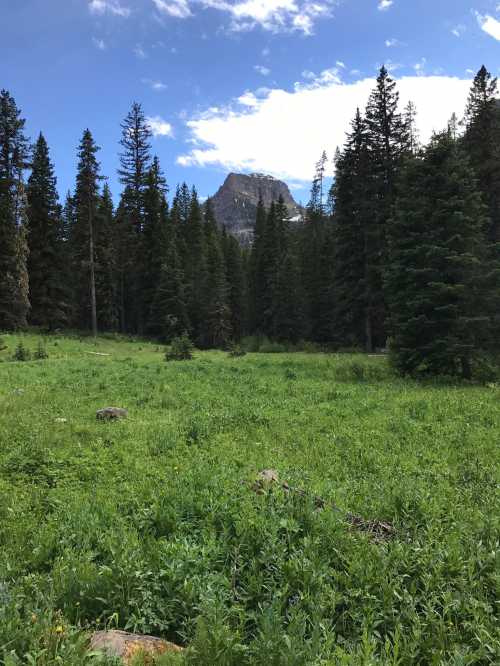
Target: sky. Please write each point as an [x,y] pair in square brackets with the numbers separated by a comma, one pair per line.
[234,85]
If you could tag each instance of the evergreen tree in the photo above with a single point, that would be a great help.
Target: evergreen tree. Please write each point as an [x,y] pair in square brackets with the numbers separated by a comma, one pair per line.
[434,280]
[268,271]
[291,313]
[482,143]
[154,235]
[169,318]
[14,287]
[387,141]
[49,296]
[217,330]
[83,238]
[351,324]
[255,275]
[106,263]
[312,245]
[196,268]
[235,275]
[135,162]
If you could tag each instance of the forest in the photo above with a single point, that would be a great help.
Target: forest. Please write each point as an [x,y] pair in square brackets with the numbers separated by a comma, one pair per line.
[402,252]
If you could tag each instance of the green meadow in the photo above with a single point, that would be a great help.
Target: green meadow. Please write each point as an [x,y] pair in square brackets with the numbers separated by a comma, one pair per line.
[152,523]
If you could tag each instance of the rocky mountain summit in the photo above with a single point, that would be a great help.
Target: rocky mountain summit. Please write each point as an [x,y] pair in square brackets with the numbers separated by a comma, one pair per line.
[235,204]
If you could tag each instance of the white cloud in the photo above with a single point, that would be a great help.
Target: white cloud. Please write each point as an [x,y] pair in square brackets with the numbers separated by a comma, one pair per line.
[490,25]
[140,52]
[393,42]
[383,5]
[340,64]
[458,30]
[174,8]
[159,127]
[157,86]
[99,43]
[284,132]
[272,15]
[419,67]
[110,7]
[265,71]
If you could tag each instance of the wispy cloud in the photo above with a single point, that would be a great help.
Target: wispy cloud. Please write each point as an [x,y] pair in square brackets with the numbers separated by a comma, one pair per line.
[489,24]
[99,43]
[265,71]
[253,133]
[159,127]
[458,30]
[419,67]
[384,5]
[273,15]
[393,42]
[140,52]
[157,86]
[109,7]
[174,8]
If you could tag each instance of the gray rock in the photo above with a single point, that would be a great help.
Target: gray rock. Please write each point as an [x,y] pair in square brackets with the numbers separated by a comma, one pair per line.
[111,413]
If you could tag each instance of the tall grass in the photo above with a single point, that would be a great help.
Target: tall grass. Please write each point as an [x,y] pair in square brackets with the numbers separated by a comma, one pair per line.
[150,524]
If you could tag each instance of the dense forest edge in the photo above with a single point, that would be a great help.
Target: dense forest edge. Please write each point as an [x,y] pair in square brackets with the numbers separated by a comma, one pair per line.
[402,252]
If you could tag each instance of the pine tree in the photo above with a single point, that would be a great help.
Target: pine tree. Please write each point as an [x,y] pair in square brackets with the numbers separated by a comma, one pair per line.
[168,317]
[235,276]
[312,245]
[135,162]
[387,142]
[106,263]
[49,296]
[84,233]
[217,329]
[351,324]
[434,280]
[196,267]
[268,271]
[291,312]
[14,287]
[482,143]
[255,276]
[154,235]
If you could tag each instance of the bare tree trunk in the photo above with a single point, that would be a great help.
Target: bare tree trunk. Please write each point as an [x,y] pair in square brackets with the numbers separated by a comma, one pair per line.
[93,303]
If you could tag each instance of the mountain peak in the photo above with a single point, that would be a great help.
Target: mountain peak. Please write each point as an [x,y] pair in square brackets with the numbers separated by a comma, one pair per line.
[235,204]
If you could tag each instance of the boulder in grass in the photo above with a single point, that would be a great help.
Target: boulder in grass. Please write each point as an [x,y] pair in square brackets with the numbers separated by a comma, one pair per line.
[111,413]
[126,646]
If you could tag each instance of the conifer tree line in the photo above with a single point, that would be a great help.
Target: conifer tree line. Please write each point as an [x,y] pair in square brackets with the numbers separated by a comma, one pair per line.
[404,247]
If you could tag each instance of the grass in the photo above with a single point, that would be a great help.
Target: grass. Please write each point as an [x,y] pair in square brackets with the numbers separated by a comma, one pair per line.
[150,524]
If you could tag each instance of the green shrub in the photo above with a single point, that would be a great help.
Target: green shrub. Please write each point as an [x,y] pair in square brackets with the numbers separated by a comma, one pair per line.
[236,350]
[251,343]
[40,353]
[269,347]
[181,349]
[362,370]
[3,344]
[21,353]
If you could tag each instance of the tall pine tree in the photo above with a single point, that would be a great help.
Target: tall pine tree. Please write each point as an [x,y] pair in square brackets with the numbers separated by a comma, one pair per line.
[14,288]
[434,277]
[49,294]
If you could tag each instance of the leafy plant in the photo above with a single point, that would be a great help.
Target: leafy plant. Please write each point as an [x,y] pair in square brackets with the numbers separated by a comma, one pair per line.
[236,350]
[41,352]
[21,353]
[181,349]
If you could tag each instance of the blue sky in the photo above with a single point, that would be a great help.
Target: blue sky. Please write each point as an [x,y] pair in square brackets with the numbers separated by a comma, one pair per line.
[242,85]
